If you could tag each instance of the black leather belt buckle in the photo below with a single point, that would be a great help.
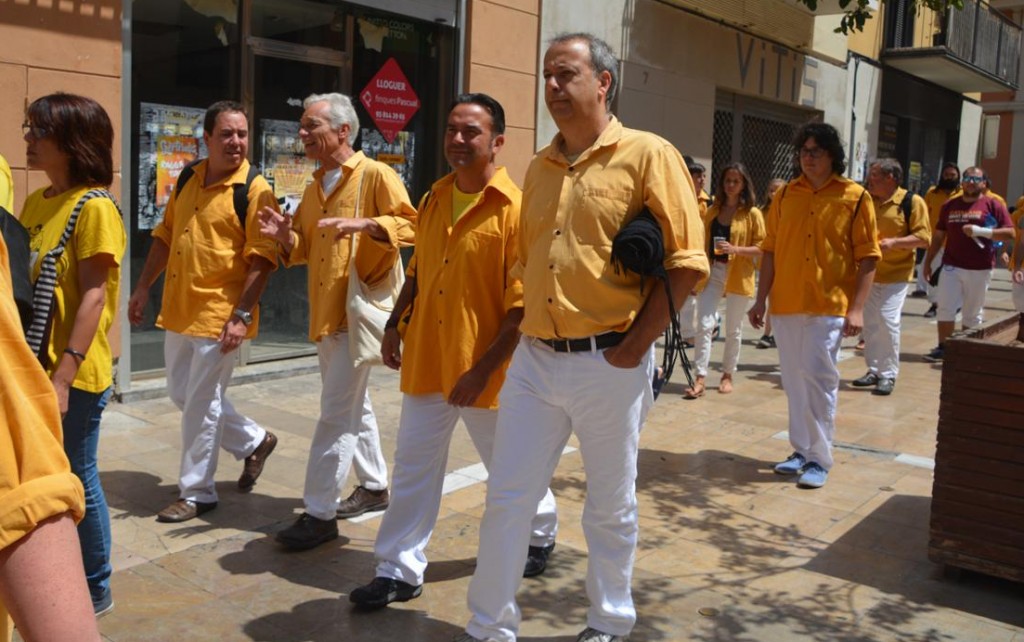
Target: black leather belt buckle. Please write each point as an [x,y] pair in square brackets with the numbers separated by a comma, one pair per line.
[585,344]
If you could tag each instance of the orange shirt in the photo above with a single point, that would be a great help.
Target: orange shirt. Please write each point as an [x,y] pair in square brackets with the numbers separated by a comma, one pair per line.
[383,197]
[571,213]
[464,287]
[210,252]
[818,238]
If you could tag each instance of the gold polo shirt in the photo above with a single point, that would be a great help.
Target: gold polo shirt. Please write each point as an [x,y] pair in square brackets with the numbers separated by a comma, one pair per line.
[464,287]
[897,265]
[818,238]
[385,199]
[935,198]
[571,213]
[746,230]
[211,253]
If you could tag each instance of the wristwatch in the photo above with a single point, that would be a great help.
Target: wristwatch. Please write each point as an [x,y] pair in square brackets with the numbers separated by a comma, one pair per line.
[246,317]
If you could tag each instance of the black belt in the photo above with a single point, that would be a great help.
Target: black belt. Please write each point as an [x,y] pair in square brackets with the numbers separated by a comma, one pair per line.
[586,344]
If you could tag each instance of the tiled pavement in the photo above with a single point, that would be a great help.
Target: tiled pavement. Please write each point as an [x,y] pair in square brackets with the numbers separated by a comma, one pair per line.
[728,551]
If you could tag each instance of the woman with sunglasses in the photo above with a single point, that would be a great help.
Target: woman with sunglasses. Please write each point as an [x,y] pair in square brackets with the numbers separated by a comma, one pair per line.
[70,139]
[734,229]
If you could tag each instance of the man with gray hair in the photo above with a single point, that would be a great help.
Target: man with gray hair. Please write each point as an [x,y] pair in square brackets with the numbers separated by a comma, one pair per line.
[585,362]
[902,222]
[350,194]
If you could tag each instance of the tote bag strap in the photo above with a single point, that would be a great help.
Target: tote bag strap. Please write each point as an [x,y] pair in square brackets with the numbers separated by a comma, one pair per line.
[45,285]
[353,276]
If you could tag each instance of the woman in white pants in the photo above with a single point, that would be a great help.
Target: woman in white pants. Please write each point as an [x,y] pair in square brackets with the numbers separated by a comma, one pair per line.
[734,229]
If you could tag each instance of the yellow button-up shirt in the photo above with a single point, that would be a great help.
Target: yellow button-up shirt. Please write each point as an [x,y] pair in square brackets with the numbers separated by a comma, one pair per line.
[384,198]
[818,238]
[6,186]
[897,265]
[573,210]
[464,287]
[935,198]
[746,230]
[210,252]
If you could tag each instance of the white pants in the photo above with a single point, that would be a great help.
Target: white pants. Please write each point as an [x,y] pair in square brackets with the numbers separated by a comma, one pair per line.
[707,307]
[197,381]
[882,328]
[1018,297]
[808,354]
[964,289]
[421,454]
[346,433]
[688,317]
[547,396]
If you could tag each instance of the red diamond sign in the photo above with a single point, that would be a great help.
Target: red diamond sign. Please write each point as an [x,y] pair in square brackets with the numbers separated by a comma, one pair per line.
[390,100]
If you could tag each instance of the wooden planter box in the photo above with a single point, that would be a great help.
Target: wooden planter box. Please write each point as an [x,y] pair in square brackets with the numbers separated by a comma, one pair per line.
[977,518]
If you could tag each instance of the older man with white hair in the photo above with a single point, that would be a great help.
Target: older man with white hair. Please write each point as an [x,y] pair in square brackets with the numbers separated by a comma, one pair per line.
[350,194]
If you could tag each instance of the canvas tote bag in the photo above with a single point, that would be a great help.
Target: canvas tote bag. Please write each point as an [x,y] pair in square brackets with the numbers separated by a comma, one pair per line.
[368,308]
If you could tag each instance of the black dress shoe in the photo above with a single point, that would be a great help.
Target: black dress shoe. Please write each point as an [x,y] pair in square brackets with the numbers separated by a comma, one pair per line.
[884,387]
[308,532]
[870,379]
[383,591]
[537,560]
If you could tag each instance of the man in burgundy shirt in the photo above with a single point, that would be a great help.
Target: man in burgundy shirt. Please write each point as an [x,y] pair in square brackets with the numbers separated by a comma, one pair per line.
[968,225]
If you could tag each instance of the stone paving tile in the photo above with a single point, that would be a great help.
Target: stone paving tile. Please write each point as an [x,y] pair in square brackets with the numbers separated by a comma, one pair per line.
[718,529]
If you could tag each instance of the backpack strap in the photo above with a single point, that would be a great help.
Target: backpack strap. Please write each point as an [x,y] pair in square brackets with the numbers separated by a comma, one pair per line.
[906,206]
[187,172]
[38,333]
[240,197]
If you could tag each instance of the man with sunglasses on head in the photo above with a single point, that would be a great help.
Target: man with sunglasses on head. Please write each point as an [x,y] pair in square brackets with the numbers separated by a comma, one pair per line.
[968,226]
[818,266]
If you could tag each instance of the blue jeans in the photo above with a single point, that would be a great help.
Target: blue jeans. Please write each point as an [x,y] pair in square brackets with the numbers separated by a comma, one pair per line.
[81,440]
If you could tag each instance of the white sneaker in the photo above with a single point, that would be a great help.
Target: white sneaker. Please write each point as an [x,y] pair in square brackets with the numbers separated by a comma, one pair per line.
[590,634]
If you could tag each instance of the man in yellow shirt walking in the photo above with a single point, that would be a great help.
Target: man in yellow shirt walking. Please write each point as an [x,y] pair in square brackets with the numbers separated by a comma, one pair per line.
[818,265]
[902,227]
[208,312]
[350,194]
[586,360]
[466,309]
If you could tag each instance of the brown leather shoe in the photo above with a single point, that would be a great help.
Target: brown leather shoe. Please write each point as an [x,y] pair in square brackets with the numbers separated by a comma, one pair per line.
[254,462]
[363,500]
[184,510]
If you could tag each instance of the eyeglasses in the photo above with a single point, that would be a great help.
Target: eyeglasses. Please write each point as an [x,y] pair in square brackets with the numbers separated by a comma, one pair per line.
[973,179]
[37,133]
[811,152]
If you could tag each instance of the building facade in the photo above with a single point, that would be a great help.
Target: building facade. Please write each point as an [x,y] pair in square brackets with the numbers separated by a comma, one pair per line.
[155,65]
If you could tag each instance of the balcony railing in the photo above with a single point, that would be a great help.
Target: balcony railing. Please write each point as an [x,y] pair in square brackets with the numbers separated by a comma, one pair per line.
[976,36]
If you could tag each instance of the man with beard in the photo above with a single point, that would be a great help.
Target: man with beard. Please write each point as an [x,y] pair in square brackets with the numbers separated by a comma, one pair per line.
[968,226]
[937,195]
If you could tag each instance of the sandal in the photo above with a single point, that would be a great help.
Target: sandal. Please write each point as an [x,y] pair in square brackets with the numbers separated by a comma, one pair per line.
[725,386]
[696,391]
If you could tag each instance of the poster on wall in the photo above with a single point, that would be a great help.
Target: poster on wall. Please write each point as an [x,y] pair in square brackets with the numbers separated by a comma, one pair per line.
[170,137]
[399,153]
[284,161]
